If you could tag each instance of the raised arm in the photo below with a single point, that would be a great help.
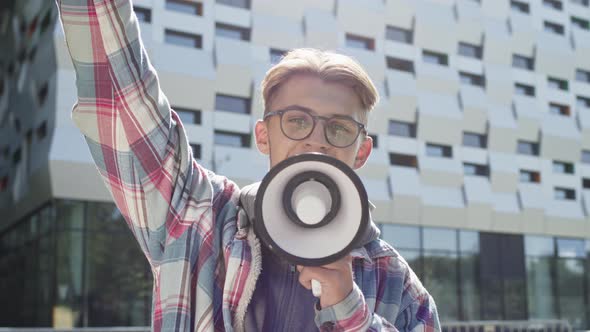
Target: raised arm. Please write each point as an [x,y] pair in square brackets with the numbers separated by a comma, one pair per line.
[138,144]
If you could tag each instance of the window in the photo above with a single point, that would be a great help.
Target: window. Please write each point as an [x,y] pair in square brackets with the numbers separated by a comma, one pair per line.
[520,7]
[436,150]
[580,2]
[528,148]
[355,41]
[583,102]
[276,55]
[405,160]
[586,183]
[553,4]
[523,62]
[564,194]
[472,79]
[182,39]
[553,27]
[375,141]
[435,58]
[530,176]
[188,116]
[235,3]
[42,131]
[585,156]
[469,50]
[231,139]
[556,83]
[16,156]
[563,167]
[474,140]
[188,7]
[580,23]
[231,31]
[42,93]
[475,169]
[3,183]
[143,14]
[524,90]
[196,148]
[232,104]
[559,109]
[405,129]
[582,75]
[400,64]
[398,34]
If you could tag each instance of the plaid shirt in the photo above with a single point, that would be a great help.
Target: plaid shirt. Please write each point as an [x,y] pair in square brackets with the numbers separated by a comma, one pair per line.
[187,220]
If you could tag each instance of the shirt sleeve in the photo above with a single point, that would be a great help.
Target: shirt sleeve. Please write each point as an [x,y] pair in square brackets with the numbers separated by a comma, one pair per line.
[138,144]
[417,312]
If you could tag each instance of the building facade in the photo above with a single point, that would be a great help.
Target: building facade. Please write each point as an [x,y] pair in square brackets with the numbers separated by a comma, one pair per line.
[480,171]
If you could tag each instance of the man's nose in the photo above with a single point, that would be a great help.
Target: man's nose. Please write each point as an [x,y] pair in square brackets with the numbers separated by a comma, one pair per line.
[317,139]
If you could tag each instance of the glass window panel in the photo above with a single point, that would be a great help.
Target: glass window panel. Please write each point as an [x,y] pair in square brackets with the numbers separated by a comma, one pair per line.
[118,278]
[231,139]
[586,156]
[413,258]
[69,272]
[182,39]
[583,75]
[474,140]
[439,239]
[435,58]
[435,150]
[570,276]
[276,55]
[539,246]
[401,237]
[354,41]
[143,14]
[468,241]
[469,284]
[469,50]
[232,104]
[570,248]
[440,278]
[541,298]
[236,3]
[398,34]
[188,7]
[528,148]
[398,128]
[519,6]
[230,31]
[523,62]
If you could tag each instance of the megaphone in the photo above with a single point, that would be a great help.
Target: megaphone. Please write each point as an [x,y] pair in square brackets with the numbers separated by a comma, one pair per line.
[311,210]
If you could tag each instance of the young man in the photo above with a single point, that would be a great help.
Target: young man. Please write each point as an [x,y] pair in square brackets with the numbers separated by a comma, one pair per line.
[210,272]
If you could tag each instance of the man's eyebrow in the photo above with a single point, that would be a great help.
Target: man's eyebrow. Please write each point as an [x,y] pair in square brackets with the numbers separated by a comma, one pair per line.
[303,108]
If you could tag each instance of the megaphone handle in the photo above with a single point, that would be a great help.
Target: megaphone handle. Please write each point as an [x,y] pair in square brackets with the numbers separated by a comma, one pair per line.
[316,288]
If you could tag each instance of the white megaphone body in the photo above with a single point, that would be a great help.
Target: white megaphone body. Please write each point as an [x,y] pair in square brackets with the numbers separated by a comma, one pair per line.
[311,210]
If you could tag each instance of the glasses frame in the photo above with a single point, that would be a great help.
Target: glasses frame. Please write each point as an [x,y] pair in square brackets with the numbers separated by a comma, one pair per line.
[361,127]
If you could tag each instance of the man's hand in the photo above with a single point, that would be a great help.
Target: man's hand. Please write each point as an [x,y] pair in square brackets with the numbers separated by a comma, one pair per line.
[336,280]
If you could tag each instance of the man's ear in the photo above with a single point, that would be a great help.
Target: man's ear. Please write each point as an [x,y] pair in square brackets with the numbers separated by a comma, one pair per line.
[363,152]
[261,136]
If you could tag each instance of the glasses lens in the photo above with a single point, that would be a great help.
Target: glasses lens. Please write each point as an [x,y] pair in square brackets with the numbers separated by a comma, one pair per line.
[341,132]
[296,124]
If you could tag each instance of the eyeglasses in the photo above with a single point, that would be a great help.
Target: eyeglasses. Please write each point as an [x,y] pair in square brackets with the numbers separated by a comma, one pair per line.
[297,124]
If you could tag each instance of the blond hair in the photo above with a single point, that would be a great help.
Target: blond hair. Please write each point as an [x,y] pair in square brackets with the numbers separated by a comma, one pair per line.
[328,66]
